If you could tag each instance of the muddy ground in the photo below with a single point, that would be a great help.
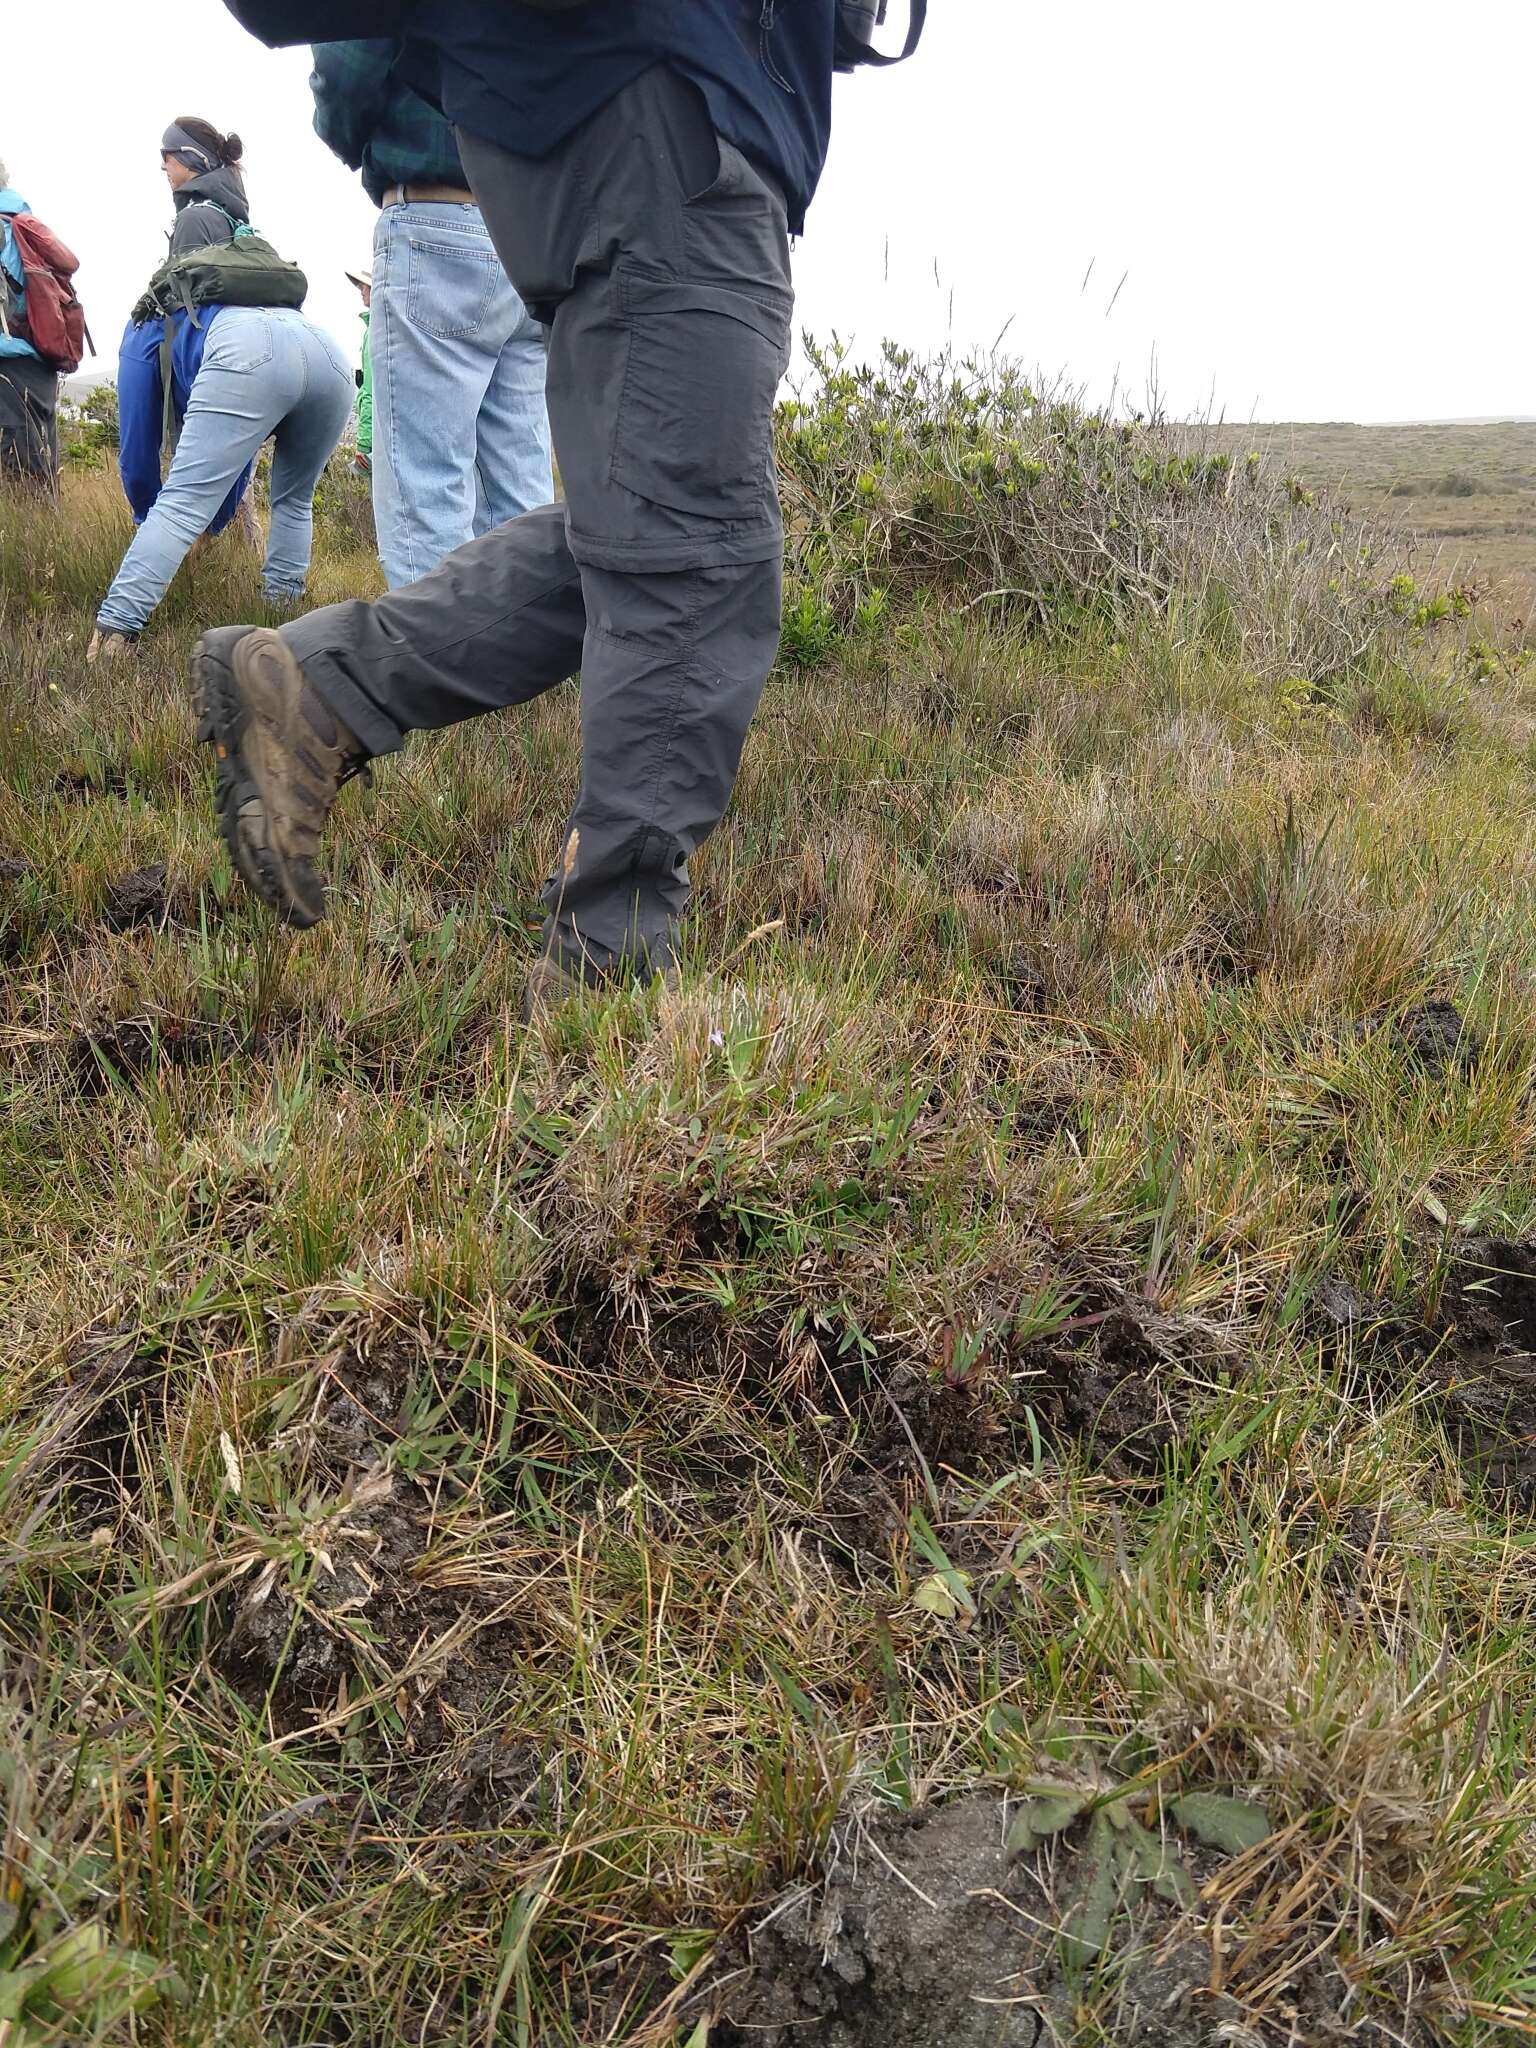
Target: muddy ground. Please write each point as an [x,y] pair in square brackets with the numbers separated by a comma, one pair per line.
[1471,1356]
[924,1930]
[917,1929]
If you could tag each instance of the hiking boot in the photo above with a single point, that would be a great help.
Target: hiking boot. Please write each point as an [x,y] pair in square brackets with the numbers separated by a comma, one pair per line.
[551,984]
[283,754]
[549,987]
[109,646]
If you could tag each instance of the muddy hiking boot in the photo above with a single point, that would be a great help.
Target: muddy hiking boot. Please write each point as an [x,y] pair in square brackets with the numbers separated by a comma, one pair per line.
[552,983]
[108,647]
[283,754]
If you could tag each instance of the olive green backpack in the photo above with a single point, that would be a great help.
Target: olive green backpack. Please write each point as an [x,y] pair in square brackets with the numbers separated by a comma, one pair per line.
[244,271]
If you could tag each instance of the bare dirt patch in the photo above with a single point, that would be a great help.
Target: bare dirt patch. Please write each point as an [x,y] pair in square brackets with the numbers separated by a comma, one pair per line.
[89,1454]
[1434,1035]
[1486,1363]
[1121,1380]
[80,785]
[132,1047]
[923,1929]
[361,1621]
[138,898]
[1474,1351]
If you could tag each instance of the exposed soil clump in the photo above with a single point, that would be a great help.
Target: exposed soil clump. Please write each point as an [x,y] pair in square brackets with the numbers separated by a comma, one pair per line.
[915,1428]
[1476,1351]
[1022,985]
[1434,1034]
[367,1613]
[115,1393]
[925,1930]
[937,1421]
[912,1928]
[130,1048]
[1040,1119]
[1487,1363]
[138,898]
[1120,1381]
[361,1417]
[301,1644]
[81,785]
[494,1781]
[875,1433]
[12,874]
[426,1655]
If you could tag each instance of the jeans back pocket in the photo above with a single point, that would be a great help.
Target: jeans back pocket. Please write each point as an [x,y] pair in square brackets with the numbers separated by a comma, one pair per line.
[240,339]
[449,287]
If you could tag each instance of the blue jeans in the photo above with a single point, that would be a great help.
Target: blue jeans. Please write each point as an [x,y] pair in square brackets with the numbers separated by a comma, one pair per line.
[460,434]
[262,373]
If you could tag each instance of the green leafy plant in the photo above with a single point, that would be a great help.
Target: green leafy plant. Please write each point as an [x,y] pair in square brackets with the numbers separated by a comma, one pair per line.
[1122,1857]
[89,435]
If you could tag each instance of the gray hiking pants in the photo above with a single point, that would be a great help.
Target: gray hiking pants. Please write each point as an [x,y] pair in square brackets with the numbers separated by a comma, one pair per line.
[29,420]
[658,259]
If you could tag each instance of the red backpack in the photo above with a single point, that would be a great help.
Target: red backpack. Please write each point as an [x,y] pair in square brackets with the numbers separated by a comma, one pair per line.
[55,319]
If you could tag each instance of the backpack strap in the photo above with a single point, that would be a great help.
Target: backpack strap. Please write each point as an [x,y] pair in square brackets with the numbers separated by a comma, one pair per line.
[170,425]
[10,291]
[914,37]
[237,227]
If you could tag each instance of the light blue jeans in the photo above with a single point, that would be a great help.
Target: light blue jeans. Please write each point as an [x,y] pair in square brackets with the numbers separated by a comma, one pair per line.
[460,434]
[262,373]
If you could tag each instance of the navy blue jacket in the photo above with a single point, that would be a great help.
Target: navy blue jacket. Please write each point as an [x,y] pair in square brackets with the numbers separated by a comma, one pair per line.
[141,408]
[525,79]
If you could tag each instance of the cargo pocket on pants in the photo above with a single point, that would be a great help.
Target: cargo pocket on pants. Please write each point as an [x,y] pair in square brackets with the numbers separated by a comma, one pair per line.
[695,426]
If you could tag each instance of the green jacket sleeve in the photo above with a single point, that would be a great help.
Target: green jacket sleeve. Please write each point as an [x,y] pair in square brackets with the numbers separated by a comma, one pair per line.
[365,398]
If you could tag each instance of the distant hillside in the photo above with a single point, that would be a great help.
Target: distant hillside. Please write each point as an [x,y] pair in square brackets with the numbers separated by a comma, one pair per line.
[1467,487]
[83,382]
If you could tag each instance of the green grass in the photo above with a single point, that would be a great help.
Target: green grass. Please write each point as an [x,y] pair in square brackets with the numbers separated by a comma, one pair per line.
[478,1505]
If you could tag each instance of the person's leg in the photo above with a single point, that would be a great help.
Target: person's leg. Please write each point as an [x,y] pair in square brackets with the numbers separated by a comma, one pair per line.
[303,445]
[512,465]
[679,316]
[248,381]
[292,713]
[442,310]
[498,623]
[15,423]
[29,433]
[672,671]
[46,399]
[672,261]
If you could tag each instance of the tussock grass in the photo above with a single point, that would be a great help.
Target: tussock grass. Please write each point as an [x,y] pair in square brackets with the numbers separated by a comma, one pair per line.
[479,1507]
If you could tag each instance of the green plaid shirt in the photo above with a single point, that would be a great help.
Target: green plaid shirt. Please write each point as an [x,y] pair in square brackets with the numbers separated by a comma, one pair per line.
[376,124]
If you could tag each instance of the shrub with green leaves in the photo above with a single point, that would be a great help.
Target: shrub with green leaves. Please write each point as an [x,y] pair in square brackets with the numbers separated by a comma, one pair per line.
[968,482]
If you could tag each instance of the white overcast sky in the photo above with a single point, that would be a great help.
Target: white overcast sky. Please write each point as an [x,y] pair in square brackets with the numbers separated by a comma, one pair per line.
[1308,209]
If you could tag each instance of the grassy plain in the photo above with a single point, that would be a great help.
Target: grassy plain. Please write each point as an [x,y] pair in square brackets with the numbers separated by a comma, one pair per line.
[1468,492]
[964,1477]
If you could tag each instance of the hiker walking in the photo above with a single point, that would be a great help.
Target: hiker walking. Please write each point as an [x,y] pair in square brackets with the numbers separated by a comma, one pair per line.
[363,460]
[460,436]
[641,167]
[206,173]
[42,336]
[219,354]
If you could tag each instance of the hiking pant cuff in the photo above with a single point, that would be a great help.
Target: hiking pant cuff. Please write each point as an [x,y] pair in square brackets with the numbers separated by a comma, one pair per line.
[378,734]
